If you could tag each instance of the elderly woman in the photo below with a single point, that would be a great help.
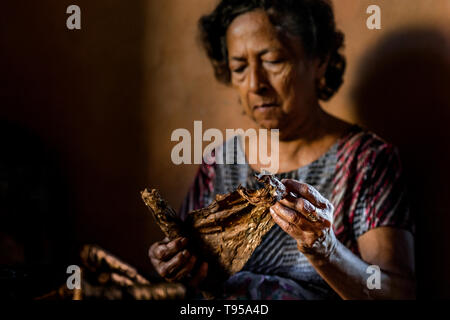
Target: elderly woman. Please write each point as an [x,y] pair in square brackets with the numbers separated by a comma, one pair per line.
[282,57]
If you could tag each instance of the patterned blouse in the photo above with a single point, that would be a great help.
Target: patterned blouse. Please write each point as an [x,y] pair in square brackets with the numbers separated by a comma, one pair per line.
[360,174]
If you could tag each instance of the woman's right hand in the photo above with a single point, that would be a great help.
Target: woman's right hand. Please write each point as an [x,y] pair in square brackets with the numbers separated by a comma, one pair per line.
[174,262]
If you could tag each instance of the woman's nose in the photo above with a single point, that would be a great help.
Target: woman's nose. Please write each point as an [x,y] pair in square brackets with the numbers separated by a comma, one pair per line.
[257,80]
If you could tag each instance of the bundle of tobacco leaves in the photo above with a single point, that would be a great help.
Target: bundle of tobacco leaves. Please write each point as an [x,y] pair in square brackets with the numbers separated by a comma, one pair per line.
[106,277]
[227,231]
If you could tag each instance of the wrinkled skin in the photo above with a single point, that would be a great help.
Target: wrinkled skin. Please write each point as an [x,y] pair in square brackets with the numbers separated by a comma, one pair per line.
[291,214]
[175,263]
[272,74]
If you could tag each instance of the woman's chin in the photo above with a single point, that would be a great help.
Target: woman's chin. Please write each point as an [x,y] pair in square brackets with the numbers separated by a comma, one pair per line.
[273,124]
[269,124]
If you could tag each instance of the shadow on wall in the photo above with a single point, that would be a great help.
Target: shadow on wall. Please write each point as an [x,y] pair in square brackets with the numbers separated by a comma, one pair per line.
[402,93]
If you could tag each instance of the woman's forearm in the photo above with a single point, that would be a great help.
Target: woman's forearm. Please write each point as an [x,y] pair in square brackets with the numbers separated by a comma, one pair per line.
[347,275]
[345,272]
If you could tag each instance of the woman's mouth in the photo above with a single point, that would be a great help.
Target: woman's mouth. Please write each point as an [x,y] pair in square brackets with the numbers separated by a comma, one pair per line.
[265,107]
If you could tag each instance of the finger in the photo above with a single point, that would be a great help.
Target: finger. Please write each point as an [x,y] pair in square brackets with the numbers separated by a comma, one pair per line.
[307,191]
[167,269]
[153,248]
[151,253]
[156,263]
[309,211]
[186,269]
[165,251]
[286,226]
[291,216]
[165,240]
[303,206]
[199,276]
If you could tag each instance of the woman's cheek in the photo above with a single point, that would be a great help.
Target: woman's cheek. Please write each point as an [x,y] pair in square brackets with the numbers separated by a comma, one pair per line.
[285,88]
[237,85]
[244,102]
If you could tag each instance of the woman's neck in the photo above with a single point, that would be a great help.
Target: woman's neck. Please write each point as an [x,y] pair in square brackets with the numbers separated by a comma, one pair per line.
[311,140]
[308,142]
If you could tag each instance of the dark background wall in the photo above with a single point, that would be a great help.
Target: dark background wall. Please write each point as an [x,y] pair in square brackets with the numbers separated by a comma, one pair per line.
[80,94]
[94,110]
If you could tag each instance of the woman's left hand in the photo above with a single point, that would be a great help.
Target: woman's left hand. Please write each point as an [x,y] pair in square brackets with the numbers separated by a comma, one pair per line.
[313,238]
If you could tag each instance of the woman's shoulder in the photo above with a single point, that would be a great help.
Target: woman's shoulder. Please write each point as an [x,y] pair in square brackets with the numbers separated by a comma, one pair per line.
[364,144]
[357,143]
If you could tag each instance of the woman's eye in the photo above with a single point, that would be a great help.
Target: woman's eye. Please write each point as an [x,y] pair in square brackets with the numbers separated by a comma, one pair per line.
[275,61]
[239,70]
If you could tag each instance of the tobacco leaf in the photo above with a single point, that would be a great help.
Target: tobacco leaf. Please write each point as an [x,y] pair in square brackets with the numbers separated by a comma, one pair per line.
[106,277]
[228,230]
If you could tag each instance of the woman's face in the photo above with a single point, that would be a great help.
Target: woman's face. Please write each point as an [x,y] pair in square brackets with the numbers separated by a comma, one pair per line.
[275,80]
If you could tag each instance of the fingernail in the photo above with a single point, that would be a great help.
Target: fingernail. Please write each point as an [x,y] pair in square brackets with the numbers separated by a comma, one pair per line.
[271,211]
[290,197]
[184,241]
[186,253]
